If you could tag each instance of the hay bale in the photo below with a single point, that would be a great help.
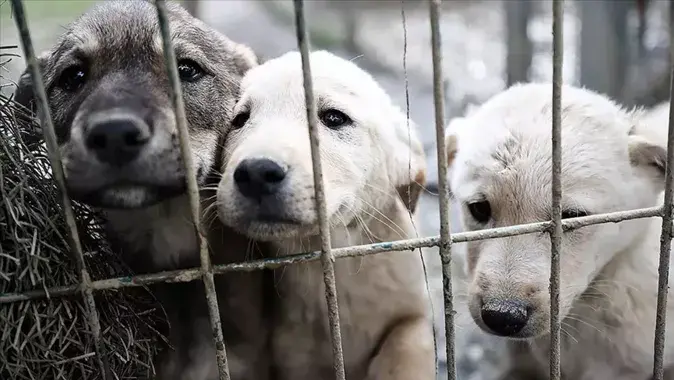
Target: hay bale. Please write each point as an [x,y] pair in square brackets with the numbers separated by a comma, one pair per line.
[50,338]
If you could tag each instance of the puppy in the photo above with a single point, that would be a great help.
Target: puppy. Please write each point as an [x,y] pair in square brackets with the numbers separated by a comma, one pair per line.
[373,168]
[500,172]
[109,96]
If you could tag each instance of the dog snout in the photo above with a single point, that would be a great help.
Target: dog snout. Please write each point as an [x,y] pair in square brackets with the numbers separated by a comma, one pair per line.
[117,141]
[256,178]
[505,317]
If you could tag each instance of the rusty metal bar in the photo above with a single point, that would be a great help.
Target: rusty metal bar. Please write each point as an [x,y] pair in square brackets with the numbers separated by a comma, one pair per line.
[445,247]
[57,171]
[666,235]
[556,231]
[187,275]
[192,188]
[327,258]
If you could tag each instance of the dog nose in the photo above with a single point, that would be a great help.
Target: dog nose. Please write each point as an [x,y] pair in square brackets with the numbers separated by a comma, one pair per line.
[117,141]
[256,178]
[505,318]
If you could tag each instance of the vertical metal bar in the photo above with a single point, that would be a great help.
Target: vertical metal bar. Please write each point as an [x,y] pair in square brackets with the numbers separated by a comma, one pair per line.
[445,246]
[57,170]
[327,258]
[556,231]
[666,236]
[192,189]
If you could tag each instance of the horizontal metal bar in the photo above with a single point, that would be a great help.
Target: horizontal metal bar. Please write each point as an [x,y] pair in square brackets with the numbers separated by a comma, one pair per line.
[187,275]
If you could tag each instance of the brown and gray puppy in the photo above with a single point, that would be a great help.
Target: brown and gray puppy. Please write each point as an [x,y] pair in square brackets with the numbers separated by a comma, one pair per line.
[109,96]
[373,167]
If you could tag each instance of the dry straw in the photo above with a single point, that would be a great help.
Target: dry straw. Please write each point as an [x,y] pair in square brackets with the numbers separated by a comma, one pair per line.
[43,339]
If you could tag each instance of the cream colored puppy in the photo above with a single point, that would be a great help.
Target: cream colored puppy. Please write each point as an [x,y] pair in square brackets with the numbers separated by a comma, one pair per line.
[500,163]
[373,167]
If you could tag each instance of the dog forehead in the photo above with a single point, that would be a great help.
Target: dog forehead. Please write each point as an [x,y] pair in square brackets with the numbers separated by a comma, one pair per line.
[119,29]
[115,24]
[508,141]
[332,76]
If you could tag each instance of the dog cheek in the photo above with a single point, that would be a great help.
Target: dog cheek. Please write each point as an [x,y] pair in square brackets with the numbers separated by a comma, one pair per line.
[473,255]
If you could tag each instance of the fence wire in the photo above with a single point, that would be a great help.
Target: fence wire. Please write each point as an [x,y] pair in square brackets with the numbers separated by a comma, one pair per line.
[445,247]
[192,188]
[666,235]
[555,227]
[556,231]
[327,258]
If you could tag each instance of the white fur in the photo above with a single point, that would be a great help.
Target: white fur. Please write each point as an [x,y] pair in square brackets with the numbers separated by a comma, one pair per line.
[611,161]
[383,305]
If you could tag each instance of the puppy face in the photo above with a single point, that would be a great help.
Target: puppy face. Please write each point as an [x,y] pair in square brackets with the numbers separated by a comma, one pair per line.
[110,101]
[500,170]
[267,189]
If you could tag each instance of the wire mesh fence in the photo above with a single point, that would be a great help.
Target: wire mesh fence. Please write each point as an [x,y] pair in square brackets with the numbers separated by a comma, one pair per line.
[555,227]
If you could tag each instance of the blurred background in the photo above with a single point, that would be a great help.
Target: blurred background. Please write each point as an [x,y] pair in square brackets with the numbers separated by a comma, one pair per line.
[618,47]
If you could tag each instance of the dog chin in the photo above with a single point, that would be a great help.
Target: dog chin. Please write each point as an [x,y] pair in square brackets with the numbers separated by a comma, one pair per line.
[266,227]
[127,196]
[270,231]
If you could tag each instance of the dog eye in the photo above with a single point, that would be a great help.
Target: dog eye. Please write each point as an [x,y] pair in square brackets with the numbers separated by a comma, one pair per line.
[334,119]
[189,70]
[568,214]
[72,78]
[481,211]
[240,120]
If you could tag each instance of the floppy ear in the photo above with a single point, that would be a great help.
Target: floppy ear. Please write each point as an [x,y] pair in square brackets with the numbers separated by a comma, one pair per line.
[650,156]
[407,167]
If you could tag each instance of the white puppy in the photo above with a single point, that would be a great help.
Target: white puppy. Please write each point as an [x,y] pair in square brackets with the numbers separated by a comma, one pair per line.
[500,172]
[373,167]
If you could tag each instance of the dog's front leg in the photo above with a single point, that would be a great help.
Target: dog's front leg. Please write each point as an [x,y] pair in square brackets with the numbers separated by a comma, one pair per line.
[406,353]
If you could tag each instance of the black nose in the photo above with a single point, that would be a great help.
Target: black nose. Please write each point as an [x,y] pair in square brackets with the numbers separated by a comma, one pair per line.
[256,178]
[505,318]
[117,141]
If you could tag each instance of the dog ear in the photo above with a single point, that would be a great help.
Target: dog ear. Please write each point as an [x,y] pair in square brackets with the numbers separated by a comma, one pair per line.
[408,166]
[646,154]
[24,95]
[26,110]
[452,138]
[244,58]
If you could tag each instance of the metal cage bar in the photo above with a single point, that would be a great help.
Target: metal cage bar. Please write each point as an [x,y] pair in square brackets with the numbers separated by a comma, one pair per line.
[666,235]
[192,188]
[187,275]
[327,258]
[445,243]
[556,231]
[57,169]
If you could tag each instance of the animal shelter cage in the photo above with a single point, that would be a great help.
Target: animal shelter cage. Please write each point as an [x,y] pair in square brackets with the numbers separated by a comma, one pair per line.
[554,227]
